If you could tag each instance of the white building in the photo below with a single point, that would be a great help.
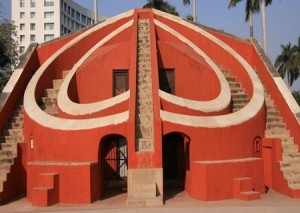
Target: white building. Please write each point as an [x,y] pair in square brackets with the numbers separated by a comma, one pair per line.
[43,20]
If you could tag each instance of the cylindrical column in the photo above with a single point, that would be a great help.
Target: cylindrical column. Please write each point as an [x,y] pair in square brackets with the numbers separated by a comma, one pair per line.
[96,11]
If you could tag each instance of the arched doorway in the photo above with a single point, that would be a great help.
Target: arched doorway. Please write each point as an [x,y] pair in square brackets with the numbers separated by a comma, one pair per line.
[175,158]
[114,163]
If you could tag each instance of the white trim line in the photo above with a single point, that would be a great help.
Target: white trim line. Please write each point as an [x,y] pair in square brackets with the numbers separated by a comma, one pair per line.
[219,103]
[248,112]
[46,120]
[72,108]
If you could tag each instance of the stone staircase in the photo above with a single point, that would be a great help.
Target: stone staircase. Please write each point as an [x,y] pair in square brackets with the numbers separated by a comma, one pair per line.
[12,135]
[144,104]
[239,98]
[276,128]
[49,101]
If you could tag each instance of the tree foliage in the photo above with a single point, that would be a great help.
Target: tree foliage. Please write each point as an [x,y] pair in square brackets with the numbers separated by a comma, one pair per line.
[162,5]
[296,95]
[8,49]
[288,62]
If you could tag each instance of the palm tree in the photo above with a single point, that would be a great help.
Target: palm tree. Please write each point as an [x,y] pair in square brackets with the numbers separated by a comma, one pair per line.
[263,5]
[251,8]
[297,54]
[254,6]
[162,5]
[285,63]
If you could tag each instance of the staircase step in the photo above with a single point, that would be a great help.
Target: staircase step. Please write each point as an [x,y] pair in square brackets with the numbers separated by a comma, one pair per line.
[6,154]
[277,133]
[290,147]
[51,93]
[291,174]
[145,144]
[12,138]
[65,73]
[291,156]
[6,161]
[293,181]
[10,132]
[288,165]
[144,118]
[270,126]
[57,83]
[16,119]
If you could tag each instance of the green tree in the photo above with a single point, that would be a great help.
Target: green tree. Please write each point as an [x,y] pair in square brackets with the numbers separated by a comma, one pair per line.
[162,5]
[8,49]
[286,63]
[296,95]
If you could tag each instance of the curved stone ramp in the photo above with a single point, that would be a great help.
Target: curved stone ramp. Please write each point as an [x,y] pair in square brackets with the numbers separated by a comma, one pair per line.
[68,106]
[219,103]
[36,113]
[238,117]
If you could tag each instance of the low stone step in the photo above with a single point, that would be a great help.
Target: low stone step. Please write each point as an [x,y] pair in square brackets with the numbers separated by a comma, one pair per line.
[144,109]
[272,113]
[51,93]
[293,181]
[240,101]
[9,147]
[274,119]
[65,73]
[290,156]
[277,133]
[18,125]
[230,79]
[57,83]
[6,161]
[8,132]
[288,165]
[5,169]
[12,138]
[292,173]
[290,147]
[287,140]
[144,118]
[239,95]
[145,144]
[234,85]
[3,177]
[144,131]
[17,119]
[145,102]
[49,102]
[6,154]
[270,126]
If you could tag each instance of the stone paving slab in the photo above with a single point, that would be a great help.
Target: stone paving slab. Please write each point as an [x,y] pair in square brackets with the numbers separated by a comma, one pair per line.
[176,203]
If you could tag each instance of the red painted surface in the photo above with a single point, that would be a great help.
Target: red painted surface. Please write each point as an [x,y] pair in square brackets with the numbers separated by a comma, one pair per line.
[194,79]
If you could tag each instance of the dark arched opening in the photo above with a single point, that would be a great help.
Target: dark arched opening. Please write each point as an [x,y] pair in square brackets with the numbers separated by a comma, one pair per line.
[113,158]
[175,162]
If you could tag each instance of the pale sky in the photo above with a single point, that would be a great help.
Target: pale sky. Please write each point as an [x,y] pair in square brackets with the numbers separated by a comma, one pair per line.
[283,18]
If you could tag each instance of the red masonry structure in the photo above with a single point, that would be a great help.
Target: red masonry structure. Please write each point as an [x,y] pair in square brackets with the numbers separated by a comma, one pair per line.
[144,102]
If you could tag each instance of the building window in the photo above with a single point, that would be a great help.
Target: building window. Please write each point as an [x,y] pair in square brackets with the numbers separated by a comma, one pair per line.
[22,49]
[32,3]
[32,26]
[48,15]
[22,27]
[22,15]
[22,38]
[83,19]
[77,16]
[89,21]
[48,37]
[22,3]
[32,38]
[48,26]
[32,15]
[73,13]
[167,80]
[120,82]
[48,3]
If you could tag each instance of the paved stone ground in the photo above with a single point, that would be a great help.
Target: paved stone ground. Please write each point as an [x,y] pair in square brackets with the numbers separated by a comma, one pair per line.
[175,203]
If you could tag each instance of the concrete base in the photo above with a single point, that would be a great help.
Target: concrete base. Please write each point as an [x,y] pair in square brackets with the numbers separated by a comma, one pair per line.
[145,187]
